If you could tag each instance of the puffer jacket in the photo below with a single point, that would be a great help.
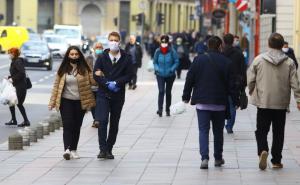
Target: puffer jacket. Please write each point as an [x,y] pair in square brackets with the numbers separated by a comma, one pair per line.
[84,86]
[165,65]
[271,77]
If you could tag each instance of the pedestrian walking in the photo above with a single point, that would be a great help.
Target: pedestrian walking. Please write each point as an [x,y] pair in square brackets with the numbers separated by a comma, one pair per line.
[91,60]
[18,79]
[238,68]
[290,53]
[136,52]
[271,77]
[211,82]
[72,96]
[165,64]
[183,55]
[112,71]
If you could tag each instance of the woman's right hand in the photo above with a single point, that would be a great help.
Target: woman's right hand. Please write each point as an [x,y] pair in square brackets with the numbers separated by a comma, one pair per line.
[50,107]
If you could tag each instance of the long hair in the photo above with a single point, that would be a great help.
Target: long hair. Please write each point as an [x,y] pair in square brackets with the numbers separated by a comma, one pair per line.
[65,67]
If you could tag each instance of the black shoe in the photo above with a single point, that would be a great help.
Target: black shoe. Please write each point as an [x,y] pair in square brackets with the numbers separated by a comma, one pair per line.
[101,155]
[129,87]
[229,130]
[168,113]
[24,124]
[109,155]
[159,113]
[11,122]
[134,87]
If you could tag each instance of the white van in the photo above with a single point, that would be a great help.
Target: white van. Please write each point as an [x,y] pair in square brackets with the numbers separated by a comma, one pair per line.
[72,33]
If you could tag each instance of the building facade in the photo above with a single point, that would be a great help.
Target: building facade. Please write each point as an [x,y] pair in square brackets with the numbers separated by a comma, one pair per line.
[100,16]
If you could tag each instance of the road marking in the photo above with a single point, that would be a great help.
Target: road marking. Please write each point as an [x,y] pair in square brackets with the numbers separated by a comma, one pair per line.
[4,66]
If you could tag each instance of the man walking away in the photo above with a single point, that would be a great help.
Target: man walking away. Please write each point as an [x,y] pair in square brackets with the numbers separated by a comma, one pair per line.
[135,50]
[270,79]
[239,72]
[211,82]
[112,71]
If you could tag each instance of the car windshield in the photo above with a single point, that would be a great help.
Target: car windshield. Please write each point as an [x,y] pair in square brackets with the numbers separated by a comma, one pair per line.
[35,46]
[54,40]
[68,33]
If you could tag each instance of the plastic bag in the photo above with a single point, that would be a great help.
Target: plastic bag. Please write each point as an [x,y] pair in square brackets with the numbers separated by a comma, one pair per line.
[178,108]
[150,66]
[8,94]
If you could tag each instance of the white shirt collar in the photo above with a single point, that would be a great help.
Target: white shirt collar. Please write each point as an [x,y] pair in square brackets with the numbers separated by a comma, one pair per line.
[118,56]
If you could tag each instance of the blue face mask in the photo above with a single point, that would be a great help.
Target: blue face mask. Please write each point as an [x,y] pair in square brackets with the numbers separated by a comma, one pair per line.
[98,51]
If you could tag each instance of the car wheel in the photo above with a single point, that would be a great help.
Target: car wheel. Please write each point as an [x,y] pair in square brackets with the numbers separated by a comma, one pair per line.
[1,50]
[49,68]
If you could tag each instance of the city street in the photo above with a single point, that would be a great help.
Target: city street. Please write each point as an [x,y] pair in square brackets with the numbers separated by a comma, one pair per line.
[149,150]
[37,98]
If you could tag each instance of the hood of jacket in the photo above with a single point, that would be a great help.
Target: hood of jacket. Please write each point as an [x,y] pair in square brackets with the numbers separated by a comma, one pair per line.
[274,56]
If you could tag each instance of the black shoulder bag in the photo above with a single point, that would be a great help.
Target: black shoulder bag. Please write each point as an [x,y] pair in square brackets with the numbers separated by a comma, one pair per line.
[222,78]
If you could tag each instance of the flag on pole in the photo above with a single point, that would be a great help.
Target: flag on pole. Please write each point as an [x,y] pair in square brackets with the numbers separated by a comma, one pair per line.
[241,5]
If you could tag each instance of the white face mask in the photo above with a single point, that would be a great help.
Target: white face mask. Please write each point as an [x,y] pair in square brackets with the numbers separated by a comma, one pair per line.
[285,50]
[113,45]
[164,45]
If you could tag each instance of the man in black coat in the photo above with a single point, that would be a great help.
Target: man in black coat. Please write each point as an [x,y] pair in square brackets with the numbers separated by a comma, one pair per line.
[210,80]
[290,53]
[112,71]
[239,69]
[136,52]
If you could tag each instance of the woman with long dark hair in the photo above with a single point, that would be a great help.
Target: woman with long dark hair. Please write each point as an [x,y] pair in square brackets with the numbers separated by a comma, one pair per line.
[72,96]
[18,79]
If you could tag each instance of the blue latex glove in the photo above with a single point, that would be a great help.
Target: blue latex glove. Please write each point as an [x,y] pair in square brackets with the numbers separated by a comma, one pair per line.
[112,85]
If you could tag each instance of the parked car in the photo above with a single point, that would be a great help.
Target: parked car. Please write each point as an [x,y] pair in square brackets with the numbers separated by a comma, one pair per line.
[37,54]
[57,45]
[12,36]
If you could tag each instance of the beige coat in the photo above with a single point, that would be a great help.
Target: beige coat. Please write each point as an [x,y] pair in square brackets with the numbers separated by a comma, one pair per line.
[85,92]
[271,77]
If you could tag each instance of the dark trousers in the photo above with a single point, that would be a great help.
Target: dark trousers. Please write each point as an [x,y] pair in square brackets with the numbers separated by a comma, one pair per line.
[218,120]
[21,95]
[266,117]
[134,76]
[231,121]
[72,117]
[165,85]
[178,72]
[108,110]
[93,109]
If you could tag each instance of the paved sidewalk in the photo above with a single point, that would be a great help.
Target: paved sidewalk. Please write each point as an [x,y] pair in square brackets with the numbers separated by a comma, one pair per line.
[153,151]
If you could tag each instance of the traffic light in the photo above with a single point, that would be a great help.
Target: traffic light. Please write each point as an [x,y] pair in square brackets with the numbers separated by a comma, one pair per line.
[139,19]
[160,18]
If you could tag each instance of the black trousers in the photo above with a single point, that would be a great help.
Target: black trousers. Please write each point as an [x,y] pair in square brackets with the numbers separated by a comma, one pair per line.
[108,109]
[165,85]
[134,76]
[21,95]
[93,109]
[266,117]
[72,117]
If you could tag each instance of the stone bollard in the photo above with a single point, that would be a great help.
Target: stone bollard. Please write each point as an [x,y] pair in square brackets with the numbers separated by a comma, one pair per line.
[32,134]
[25,136]
[51,126]
[56,118]
[40,131]
[15,142]
[45,128]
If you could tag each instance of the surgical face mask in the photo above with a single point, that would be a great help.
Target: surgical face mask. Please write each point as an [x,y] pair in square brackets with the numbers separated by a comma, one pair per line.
[113,45]
[98,51]
[164,45]
[285,50]
[236,43]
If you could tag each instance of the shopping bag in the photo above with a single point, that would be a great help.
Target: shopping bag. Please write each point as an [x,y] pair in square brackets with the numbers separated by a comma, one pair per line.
[150,66]
[8,94]
[178,108]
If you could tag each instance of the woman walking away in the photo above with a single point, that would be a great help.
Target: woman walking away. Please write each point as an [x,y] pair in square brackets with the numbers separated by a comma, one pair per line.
[165,64]
[72,95]
[18,79]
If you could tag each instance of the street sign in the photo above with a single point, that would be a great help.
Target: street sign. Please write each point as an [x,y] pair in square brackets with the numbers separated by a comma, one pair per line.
[219,13]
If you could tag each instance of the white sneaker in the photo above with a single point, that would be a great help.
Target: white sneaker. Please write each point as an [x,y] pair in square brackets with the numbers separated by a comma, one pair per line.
[74,154]
[67,155]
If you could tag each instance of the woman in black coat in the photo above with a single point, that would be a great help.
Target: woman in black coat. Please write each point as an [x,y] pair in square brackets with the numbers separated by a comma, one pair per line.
[18,79]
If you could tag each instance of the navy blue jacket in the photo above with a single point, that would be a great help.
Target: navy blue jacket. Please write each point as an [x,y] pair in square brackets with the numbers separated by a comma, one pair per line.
[203,79]
[121,72]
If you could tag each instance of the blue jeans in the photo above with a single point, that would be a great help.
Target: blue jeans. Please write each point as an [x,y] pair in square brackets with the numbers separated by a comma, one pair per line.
[231,121]
[218,121]
[108,109]
[165,85]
